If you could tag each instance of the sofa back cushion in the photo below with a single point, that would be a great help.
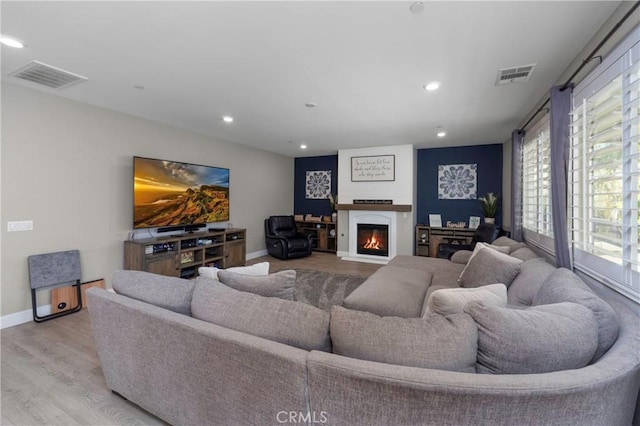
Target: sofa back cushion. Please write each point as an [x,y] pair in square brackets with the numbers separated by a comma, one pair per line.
[526,285]
[280,284]
[438,342]
[450,301]
[166,292]
[489,267]
[524,254]
[540,339]
[508,242]
[565,286]
[292,323]
[261,268]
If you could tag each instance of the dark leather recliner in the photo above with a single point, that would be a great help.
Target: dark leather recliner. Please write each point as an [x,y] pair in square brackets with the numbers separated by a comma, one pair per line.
[485,233]
[283,240]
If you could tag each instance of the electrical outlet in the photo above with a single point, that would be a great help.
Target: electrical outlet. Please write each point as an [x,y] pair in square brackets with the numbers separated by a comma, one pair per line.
[22,225]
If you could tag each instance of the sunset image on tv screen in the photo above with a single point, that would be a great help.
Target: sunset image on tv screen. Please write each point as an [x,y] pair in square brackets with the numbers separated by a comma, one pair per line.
[169,193]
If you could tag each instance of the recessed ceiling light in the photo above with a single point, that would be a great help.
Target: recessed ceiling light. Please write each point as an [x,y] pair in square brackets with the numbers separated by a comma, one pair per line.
[303,146]
[441,134]
[417,7]
[434,85]
[227,119]
[11,42]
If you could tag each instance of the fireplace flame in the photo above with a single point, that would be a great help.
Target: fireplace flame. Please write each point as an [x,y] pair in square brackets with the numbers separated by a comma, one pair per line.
[373,243]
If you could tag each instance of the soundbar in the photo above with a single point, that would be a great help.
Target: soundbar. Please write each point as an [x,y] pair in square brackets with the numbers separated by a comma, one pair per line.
[186,228]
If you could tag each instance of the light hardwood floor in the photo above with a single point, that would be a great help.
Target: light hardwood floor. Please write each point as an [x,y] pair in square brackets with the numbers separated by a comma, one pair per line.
[50,373]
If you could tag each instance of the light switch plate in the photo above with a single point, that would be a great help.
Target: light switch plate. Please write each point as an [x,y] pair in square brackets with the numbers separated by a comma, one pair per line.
[21,225]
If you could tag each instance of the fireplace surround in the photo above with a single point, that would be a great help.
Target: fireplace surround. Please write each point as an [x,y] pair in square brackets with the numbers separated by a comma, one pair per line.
[373,239]
[372,236]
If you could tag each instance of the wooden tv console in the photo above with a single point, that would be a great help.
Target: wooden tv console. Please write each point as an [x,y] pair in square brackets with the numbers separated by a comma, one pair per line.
[182,255]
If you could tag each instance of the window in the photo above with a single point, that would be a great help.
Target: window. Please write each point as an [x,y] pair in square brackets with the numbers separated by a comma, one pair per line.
[537,224]
[605,155]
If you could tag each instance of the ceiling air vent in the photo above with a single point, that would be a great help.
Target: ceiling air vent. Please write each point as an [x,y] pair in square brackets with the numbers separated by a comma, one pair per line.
[53,77]
[518,74]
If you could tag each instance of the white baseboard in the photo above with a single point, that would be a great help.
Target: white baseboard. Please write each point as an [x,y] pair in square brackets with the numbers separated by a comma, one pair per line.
[18,318]
[255,254]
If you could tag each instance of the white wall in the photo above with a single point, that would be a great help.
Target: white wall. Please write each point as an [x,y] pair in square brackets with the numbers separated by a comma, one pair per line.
[68,167]
[400,191]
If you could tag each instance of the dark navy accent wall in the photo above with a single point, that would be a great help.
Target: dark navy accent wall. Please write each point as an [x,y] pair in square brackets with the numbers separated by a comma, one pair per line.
[316,207]
[489,161]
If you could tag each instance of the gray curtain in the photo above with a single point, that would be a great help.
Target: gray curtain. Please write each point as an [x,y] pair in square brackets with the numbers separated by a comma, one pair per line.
[559,124]
[517,139]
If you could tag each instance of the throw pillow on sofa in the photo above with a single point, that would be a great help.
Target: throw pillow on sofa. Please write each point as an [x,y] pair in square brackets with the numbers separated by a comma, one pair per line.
[464,256]
[540,339]
[292,323]
[438,342]
[166,292]
[565,286]
[489,267]
[453,300]
[257,269]
[280,284]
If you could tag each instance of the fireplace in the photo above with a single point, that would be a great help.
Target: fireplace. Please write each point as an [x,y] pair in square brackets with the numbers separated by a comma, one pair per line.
[373,239]
[372,236]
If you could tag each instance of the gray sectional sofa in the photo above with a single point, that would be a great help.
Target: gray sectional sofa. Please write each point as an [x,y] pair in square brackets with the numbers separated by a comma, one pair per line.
[549,351]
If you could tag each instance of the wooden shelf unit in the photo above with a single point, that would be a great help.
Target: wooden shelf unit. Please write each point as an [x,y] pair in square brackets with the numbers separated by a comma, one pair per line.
[182,255]
[427,238]
[321,234]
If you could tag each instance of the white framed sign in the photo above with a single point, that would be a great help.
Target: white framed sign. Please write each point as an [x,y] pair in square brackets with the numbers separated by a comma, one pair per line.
[474,222]
[373,168]
[435,221]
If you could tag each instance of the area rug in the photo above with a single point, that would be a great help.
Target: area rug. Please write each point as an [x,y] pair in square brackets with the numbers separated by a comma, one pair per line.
[324,289]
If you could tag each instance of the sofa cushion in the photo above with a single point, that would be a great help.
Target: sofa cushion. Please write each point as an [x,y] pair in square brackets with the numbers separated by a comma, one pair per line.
[489,267]
[508,242]
[524,254]
[453,300]
[292,323]
[261,268]
[443,343]
[461,257]
[280,284]
[391,291]
[565,286]
[166,292]
[539,339]
[524,287]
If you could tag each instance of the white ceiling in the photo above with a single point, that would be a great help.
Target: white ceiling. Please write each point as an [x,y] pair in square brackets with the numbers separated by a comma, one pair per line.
[363,63]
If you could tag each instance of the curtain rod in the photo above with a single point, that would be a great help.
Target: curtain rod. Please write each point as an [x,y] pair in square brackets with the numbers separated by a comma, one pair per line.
[590,57]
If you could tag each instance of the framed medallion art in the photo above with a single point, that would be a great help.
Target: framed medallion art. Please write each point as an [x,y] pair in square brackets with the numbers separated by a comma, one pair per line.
[458,182]
[317,184]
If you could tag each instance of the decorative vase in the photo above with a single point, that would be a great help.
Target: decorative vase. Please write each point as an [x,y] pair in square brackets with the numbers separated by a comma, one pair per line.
[334,217]
[489,220]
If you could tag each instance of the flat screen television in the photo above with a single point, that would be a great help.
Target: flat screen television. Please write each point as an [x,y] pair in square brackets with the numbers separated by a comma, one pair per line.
[174,194]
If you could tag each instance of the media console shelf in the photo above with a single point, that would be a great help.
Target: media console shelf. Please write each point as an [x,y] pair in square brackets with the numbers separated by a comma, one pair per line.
[323,234]
[428,238]
[182,255]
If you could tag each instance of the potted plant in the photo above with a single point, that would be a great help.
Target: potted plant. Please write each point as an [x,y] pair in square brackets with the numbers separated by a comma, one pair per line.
[490,204]
[333,203]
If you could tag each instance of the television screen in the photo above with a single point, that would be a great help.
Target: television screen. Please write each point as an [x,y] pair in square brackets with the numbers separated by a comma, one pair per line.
[170,193]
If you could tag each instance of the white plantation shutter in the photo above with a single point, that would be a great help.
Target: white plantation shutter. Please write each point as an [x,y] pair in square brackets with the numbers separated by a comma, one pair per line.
[605,171]
[537,220]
